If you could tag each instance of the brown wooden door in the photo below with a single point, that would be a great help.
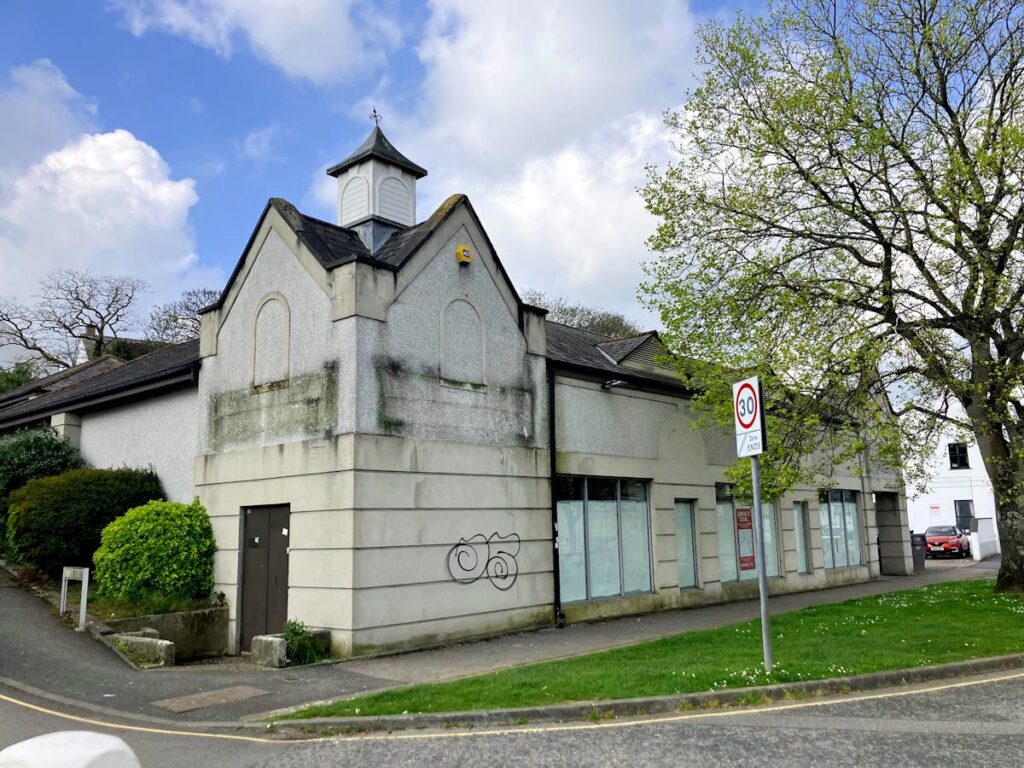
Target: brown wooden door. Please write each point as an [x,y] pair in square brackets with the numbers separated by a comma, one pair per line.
[264,572]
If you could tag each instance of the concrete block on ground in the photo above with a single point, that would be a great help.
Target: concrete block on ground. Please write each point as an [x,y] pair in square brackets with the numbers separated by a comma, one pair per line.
[196,634]
[269,651]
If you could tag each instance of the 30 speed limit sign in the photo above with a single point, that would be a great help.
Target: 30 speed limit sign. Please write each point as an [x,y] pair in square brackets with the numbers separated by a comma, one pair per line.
[748,412]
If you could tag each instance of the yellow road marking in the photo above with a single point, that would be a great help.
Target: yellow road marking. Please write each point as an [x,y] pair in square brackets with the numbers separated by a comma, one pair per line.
[538,729]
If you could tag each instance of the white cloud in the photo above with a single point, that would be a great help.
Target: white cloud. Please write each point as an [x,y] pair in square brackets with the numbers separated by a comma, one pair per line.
[258,144]
[509,82]
[546,114]
[71,197]
[106,202]
[41,112]
[571,224]
[324,41]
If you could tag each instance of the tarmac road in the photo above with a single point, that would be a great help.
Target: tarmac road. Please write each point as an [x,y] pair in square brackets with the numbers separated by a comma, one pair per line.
[970,721]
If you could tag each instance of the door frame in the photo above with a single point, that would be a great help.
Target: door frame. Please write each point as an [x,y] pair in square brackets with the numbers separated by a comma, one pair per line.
[239,588]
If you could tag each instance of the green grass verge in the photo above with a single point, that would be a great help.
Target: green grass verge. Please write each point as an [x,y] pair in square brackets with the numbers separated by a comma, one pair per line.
[918,627]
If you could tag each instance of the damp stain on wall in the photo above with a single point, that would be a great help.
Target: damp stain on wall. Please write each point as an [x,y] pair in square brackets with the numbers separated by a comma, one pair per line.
[301,407]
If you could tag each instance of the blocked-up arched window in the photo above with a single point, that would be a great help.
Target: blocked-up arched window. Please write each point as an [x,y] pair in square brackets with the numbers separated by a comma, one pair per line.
[270,341]
[462,343]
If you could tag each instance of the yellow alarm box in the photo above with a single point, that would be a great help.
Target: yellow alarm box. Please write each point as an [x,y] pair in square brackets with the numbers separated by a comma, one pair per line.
[463,255]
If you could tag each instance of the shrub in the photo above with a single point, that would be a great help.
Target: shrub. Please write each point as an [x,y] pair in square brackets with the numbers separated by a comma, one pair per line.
[161,548]
[57,521]
[29,455]
[302,648]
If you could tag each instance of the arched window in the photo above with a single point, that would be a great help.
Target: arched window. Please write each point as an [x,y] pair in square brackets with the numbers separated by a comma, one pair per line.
[270,341]
[462,343]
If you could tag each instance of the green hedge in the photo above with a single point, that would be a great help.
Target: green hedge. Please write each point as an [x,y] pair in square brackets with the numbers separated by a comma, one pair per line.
[163,547]
[29,455]
[57,521]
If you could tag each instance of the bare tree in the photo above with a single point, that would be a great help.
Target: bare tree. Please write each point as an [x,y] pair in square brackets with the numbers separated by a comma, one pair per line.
[592,319]
[178,321]
[73,306]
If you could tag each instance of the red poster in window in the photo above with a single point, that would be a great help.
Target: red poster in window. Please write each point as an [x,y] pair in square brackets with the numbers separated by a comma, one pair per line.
[745,536]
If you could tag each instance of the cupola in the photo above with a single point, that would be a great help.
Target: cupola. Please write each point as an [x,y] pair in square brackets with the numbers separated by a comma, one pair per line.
[376,189]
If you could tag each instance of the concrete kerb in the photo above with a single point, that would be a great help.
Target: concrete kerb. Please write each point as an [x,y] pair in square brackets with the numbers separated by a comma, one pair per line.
[654,705]
[561,713]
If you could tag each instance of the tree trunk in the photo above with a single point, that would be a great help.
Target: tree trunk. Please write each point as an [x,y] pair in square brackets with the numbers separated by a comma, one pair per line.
[1005,469]
[1010,514]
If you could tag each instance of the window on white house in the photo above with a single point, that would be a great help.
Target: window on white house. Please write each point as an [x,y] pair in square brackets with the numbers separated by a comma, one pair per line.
[604,537]
[840,528]
[958,456]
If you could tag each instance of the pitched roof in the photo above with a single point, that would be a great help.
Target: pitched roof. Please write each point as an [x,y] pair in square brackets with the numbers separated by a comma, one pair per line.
[377,146]
[333,245]
[172,363]
[330,244]
[584,351]
[60,380]
[619,349]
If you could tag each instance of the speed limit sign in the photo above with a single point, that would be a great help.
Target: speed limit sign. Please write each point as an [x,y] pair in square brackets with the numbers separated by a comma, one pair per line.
[748,411]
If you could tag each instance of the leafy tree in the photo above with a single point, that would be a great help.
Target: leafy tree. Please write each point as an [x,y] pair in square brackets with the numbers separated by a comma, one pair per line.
[16,376]
[845,217]
[73,306]
[178,321]
[592,319]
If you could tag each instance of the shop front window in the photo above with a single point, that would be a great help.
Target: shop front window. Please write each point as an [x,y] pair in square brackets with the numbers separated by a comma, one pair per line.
[736,559]
[604,537]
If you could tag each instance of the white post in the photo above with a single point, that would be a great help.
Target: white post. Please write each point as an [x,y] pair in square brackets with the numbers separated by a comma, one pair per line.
[75,574]
[85,597]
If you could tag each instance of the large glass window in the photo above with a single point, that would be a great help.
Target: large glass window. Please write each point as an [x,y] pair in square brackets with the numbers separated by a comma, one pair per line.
[840,528]
[604,539]
[800,528]
[572,562]
[686,544]
[736,537]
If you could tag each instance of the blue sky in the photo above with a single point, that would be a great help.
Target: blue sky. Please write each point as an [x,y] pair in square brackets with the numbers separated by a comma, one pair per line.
[145,136]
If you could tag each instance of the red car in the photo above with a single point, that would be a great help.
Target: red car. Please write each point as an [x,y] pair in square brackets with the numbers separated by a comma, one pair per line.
[947,540]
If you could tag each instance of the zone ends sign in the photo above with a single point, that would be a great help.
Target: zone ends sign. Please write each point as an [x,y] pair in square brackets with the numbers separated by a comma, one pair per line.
[748,414]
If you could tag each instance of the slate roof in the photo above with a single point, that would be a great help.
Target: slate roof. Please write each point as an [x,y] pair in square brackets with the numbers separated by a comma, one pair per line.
[378,146]
[619,349]
[330,244]
[333,245]
[172,362]
[60,380]
[579,350]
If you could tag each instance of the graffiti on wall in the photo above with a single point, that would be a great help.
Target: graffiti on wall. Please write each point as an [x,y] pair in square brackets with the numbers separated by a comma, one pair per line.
[485,557]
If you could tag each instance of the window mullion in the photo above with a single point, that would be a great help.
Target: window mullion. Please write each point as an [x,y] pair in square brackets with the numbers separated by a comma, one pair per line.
[618,522]
[586,538]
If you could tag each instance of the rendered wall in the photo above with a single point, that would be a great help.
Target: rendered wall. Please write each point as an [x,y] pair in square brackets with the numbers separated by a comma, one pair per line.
[277,442]
[631,434]
[385,462]
[160,431]
[451,445]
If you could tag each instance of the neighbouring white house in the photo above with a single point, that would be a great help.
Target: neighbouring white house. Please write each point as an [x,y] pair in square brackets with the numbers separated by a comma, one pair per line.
[958,493]
[392,445]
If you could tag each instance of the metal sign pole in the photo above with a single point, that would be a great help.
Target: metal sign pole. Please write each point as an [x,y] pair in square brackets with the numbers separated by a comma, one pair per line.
[762,571]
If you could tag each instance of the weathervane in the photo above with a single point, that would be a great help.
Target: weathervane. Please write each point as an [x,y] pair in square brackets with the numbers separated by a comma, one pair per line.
[375,116]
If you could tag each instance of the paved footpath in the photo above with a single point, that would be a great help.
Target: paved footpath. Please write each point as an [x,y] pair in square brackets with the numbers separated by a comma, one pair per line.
[40,654]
